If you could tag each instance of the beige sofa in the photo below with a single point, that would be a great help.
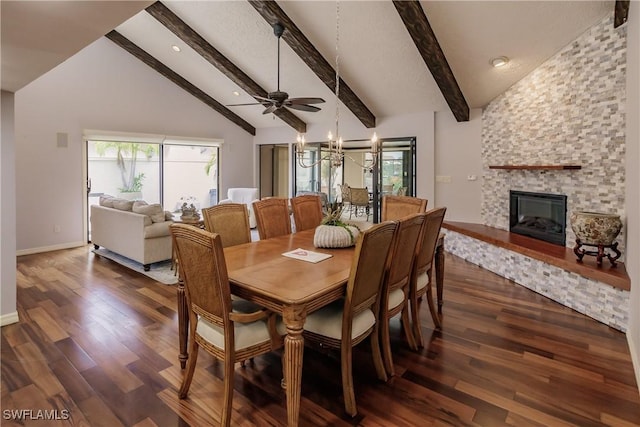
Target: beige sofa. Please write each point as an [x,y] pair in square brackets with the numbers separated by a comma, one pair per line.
[139,232]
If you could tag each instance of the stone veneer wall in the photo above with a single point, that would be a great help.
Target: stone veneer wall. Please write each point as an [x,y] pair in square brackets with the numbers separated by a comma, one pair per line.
[570,110]
[597,300]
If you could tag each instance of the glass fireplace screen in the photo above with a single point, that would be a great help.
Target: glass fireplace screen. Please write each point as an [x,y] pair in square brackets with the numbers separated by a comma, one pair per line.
[539,215]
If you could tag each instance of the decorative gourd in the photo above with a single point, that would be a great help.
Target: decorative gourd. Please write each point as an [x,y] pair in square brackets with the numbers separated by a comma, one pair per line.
[333,232]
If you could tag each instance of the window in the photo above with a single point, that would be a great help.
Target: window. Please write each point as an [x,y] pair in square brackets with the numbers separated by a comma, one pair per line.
[156,169]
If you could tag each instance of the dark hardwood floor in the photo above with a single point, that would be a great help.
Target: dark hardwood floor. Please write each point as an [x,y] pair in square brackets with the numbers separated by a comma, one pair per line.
[100,341]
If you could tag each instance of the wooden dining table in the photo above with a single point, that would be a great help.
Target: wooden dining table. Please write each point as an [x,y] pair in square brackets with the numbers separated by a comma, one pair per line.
[293,288]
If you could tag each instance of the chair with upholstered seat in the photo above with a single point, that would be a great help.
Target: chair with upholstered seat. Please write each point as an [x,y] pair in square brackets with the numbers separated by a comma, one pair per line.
[421,281]
[230,221]
[272,217]
[324,199]
[307,211]
[398,207]
[224,329]
[347,322]
[395,294]
[359,201]
[345,195]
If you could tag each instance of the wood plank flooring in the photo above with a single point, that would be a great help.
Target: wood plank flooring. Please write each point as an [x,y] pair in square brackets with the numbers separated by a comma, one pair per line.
[100,341]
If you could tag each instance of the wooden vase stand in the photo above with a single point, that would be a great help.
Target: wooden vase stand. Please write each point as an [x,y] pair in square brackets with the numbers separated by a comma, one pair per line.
[599,253]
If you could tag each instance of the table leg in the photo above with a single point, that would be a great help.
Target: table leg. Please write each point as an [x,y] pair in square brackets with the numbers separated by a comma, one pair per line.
[439,258]
[183,324]
[293,353]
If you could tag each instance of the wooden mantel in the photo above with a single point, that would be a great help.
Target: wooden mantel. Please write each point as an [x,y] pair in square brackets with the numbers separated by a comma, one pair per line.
[536,167]
[559,256]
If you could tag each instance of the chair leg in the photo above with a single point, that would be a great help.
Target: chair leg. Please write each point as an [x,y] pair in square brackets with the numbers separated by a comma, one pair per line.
[406,325]
[377,356]
[415,321]
[227,407]
[432,307]
[191,367]
[385,344]
[347,379]
[283,381]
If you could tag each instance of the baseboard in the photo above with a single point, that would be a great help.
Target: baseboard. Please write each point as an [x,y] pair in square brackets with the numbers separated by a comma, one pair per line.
[41,249]
[633,349]
[8,319]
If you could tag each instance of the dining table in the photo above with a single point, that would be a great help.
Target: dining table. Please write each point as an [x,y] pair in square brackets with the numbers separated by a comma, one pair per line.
[259,272]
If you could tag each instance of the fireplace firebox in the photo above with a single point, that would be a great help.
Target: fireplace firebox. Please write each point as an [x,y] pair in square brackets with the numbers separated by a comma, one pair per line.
[539,215]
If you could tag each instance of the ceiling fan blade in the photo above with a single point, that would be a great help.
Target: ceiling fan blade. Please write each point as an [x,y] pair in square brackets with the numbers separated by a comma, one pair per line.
[270,109]
[238,105]
[305,101]
[303,107]
[262,98]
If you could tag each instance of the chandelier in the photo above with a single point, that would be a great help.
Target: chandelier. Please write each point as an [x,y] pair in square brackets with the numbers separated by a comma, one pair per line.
[336,153]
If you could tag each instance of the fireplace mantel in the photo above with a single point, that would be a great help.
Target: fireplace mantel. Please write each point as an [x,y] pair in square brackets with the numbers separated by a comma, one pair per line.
[536,167]
[559,256]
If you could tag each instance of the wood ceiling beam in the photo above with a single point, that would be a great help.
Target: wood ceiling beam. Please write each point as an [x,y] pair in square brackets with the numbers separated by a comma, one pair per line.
[621,13]
[152,62]
[188,35]
[425,40]
[272,13]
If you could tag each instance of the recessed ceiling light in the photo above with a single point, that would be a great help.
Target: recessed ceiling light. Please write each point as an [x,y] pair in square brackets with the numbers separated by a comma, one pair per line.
[500,61]
[236,93]
[176,48]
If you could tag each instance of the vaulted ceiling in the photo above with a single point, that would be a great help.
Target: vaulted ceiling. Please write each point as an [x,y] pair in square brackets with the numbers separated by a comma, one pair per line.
[394,57]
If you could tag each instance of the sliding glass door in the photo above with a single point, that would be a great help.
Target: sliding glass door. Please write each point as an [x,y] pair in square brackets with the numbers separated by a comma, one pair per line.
[128,170]
[167,173]
[190,175]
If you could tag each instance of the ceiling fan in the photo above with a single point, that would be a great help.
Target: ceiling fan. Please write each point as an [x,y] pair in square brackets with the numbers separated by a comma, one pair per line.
[279,99]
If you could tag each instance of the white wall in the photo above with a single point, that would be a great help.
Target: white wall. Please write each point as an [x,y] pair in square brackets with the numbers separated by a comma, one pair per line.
[459,155]
[102,87]
[632,195]
[420,125]
[8,307]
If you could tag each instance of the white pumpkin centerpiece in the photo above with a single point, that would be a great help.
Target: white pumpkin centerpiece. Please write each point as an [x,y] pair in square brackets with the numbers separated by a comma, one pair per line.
[333,232]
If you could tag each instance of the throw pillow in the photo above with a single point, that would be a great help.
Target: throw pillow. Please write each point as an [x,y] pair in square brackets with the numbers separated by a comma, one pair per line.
[106,201]
[168,216]
[122,204]
[154,211]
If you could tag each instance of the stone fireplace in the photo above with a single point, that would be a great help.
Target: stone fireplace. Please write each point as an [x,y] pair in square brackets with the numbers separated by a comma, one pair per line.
[569,111]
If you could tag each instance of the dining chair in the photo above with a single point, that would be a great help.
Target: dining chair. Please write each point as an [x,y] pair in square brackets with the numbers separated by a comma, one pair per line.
[307,211]
[223,328]
[395,293]
[421,279]
[359,201]
[345,195]
[243,195]
[230,221]
[272,216]
[397,207]
[347,322]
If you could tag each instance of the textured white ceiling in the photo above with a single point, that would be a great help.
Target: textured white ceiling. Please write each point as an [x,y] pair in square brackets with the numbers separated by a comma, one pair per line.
[377,57]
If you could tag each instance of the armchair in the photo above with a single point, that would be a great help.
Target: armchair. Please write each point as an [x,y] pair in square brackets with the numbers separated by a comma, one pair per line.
[245,196]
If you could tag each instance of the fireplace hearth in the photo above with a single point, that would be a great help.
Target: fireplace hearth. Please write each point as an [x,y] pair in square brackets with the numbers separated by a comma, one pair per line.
[539,215]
